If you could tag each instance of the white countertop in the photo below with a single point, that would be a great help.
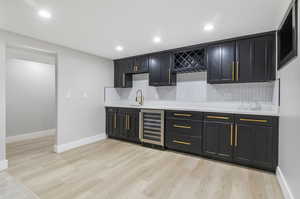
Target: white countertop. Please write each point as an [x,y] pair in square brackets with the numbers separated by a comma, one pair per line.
[232,110]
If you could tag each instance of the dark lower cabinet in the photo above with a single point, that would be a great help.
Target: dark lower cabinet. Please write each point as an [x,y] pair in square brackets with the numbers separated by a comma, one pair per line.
[244,139]
[183,131]
[217,140]
[248,140]
[256,144]
[123,123]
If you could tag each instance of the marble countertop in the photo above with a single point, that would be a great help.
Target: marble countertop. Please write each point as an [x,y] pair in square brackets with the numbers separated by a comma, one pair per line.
[232,110]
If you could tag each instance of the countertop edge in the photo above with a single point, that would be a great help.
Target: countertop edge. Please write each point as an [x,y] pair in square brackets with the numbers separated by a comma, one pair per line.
[242,112]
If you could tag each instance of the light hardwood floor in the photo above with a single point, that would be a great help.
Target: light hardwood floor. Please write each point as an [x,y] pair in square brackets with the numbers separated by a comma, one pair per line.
[113,169]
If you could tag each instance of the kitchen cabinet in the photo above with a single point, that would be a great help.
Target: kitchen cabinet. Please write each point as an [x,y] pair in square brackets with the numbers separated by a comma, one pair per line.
[122,73]
[256,141]
[218,136]
[242,60]
[255,59]
[220,63]
[112,124]
[249,140]
[183,131]
[160,70]
[122,123]
[130,124]
[141,64]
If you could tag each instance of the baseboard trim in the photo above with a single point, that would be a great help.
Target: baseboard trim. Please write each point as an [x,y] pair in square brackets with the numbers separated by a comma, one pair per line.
[71,145]
[29,136]
[3,165]
[284,185]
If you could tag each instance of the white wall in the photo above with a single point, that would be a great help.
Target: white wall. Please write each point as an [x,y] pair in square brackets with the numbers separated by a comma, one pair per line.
[77,74]
[2,103]
[192,88]
[30,97]
[289,134]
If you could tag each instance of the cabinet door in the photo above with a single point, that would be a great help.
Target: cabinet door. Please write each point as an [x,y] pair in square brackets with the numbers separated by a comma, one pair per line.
[123,76]
[132,126]
[221,63]
[112,129]
[255,59]
[160,70]
[264,58]
[141,64]
[254,145]
[217,140]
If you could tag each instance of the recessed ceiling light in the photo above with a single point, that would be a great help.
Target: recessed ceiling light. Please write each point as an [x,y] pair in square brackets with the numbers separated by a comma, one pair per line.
[209,27]
[157,39]
[44,14]
[119,48]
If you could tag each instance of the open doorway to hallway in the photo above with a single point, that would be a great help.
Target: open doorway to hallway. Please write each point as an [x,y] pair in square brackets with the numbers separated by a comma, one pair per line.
[30,101]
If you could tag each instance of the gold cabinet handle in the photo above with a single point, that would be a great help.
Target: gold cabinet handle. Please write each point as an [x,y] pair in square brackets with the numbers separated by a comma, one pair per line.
[123,80]
[253,120]
[169,75]
[128,121]
[182,114]
[236,135]
[232,71]
[115,120]
[217,117]
[180,142]
[231,134]
[237,71]
[182,127]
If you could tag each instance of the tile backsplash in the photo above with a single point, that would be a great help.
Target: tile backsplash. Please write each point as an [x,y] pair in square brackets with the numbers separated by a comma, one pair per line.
[193,88]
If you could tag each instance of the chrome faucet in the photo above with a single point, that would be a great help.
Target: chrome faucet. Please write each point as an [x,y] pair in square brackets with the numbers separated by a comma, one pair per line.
[139,97]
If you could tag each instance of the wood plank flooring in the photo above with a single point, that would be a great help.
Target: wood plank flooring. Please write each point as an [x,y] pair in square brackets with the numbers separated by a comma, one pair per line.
[112,169]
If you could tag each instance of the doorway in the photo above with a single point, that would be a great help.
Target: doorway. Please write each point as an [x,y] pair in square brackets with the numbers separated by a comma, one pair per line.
[30,102]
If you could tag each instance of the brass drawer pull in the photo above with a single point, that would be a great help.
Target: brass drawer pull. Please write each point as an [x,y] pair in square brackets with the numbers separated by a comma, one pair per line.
[182,127]
[128,121]
[231,134]
[115,120]
[180,142]
[237,71]
[252,120]
[183,114]
[236,135]
[232,71]
[218,117]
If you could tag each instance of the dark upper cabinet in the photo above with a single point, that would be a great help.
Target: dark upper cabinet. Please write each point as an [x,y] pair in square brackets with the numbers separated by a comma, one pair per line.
[160,70]
[220,63]
[141,64]
[241,61]
[122,124]
[122,73]
[255,59]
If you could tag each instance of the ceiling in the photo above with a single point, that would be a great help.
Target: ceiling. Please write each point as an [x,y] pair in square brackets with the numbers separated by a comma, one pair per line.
[98,26]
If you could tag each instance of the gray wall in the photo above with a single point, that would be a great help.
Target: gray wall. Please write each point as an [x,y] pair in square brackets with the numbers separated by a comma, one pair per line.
[30,97]
[289,133]
[81,79]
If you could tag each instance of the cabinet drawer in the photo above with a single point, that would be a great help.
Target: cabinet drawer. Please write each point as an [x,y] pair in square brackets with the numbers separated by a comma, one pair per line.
[183,143]
[254,119]
[190,115]
[218,117]
[184,127]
